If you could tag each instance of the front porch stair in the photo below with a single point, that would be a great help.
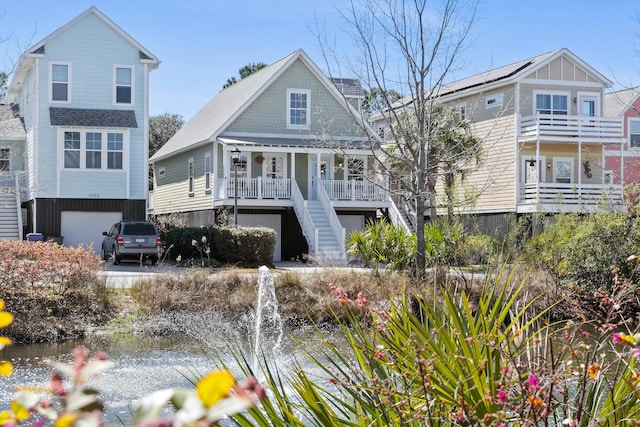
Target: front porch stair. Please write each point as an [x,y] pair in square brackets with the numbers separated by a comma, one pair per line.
[9,221]
[328,249]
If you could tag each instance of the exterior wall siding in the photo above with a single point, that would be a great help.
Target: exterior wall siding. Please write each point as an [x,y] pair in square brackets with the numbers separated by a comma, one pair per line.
[492,186]
[268,113]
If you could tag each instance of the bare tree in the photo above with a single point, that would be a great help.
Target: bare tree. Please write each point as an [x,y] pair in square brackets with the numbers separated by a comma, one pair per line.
[412,47]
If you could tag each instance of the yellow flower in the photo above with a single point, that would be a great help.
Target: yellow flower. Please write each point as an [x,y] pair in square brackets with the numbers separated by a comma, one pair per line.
[214,387]
[593,370]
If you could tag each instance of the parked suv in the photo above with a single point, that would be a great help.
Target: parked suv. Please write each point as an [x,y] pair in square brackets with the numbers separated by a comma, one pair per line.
[136,240]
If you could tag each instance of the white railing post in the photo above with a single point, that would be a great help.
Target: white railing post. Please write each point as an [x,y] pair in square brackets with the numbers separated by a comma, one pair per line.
[338,230]
[259,185]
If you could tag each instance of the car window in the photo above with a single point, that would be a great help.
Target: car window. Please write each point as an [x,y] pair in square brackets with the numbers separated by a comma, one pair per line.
[139,229]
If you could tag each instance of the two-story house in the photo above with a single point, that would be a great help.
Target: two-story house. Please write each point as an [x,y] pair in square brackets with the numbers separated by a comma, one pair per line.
[544,137]
[283,148]
[623,161]
[81,95]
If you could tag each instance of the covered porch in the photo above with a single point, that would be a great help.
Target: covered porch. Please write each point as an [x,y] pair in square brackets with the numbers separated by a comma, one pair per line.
[561,163]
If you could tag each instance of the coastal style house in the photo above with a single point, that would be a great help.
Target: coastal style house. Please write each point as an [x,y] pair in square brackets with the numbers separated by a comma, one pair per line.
[73,132]
[622,162]
[285,147]
[544,134]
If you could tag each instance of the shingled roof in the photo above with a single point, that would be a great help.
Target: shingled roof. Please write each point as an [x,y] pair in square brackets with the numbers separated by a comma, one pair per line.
[92,117]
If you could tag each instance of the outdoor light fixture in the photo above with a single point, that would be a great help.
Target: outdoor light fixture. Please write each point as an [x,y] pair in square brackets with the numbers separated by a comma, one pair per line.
[235,156]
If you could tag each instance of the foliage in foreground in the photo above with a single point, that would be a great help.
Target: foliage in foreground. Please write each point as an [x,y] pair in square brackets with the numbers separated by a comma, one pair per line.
[53,291]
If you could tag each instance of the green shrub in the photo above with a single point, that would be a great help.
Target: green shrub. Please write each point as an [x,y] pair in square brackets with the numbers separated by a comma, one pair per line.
[247,246]
[442,242]
[475,250]
[381,243]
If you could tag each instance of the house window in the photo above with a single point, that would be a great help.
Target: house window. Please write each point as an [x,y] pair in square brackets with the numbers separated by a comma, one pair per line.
[462,111]
[190,174]
[5,159]
[634,133]
[87,150]
[72,150]
[123,85]
[60,82]
[115,149]
[563,170]
[355,169]
[207,172]
[494,100]
[93,152]
[550,103]
[298,108]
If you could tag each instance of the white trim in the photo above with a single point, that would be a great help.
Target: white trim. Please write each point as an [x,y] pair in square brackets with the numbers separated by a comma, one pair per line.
[628,141]
[562,83]
[208,183]
[598,102]
[307,109]
[51,82]
[132,86]
[191,185]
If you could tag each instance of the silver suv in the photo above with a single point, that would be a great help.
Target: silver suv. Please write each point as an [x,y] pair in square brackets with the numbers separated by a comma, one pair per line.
[137,240]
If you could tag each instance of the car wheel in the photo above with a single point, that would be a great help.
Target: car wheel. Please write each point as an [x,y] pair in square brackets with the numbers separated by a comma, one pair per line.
[104,254]
[154,260]
[116,258]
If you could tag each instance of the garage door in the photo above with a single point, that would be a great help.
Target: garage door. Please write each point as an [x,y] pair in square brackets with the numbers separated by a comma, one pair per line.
[269,221]
[86,227]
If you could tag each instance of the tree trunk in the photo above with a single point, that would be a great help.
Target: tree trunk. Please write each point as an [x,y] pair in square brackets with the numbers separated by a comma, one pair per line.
[420,242]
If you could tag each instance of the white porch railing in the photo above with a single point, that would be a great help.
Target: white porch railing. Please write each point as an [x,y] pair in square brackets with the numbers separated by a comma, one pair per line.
[259,188]
[570,194]
[300,208]
[604,129]
[363,190]
[338,230]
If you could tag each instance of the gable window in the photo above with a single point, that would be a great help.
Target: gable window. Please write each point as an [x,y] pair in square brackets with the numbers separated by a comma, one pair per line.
[552,103]
[494,100]
[88,150]
[207,172]
[563,170]
[190,175]
[94,150]
[115,149]
[634,133]
[60,82]
[298,108]
[72,150]
[123,85]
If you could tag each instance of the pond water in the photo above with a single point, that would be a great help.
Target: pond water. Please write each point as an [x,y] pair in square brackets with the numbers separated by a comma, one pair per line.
[143,364]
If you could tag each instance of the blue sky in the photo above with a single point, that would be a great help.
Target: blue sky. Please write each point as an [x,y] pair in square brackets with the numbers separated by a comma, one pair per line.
[201,43]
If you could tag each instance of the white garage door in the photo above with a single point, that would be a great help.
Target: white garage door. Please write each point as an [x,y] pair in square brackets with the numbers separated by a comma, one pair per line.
[351,223]
[86,227]
[269,221]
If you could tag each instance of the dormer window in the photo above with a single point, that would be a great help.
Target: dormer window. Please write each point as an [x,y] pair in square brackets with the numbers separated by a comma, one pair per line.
[123,85]
[60,81]
[298,108]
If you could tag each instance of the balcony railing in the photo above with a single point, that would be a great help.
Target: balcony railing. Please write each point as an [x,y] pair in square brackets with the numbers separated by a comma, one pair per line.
[560,127]
[266,188]
[362,190]
[570,194]
[260,188]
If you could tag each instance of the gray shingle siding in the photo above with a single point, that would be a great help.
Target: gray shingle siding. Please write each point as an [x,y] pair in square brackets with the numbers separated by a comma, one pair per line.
[92,117]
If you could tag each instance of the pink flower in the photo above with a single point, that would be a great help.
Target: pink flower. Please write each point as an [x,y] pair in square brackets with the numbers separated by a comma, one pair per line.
[502,396]
[616,338]
[534,382]
[635,351]
[505,370]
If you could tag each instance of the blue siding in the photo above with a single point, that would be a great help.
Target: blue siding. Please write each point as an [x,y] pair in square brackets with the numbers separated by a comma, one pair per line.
[92,185]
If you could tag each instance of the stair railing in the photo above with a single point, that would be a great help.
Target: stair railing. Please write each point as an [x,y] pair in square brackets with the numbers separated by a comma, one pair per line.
[396,216]
[338,230]
[18,179]
[309,231]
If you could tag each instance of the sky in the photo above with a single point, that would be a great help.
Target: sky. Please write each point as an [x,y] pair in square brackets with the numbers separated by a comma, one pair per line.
[202,43]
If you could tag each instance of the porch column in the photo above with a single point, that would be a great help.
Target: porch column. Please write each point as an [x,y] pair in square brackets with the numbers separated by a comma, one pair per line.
[293,166]
[580,169]
[538,167]
[226,170]
[622,142]
[318,169]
